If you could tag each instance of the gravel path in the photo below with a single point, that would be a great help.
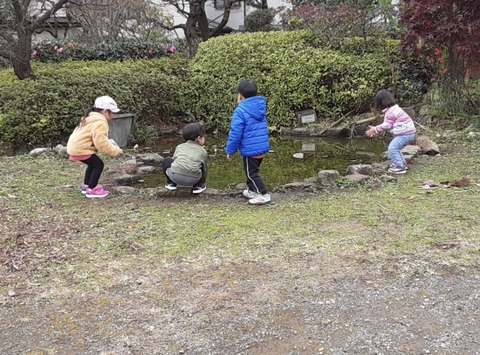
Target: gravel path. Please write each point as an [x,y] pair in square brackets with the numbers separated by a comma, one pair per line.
[297,308]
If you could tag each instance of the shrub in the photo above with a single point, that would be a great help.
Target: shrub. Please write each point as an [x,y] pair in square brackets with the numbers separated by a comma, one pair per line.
[45,110]
[291,73]
[260,20]
[61,50]
[458,102]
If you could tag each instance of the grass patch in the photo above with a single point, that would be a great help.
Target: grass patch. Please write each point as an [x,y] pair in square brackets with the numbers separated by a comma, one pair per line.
[52,235]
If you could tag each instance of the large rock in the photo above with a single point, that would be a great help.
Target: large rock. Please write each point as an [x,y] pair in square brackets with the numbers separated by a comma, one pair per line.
[427,146]
[362,169]
[301,186]
[147,170]
[327,177]
[150,159]
[413,150]
[357,178]
[37,151]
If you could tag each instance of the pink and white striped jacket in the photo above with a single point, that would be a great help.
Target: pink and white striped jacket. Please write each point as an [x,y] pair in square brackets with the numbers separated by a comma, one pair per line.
[396,121]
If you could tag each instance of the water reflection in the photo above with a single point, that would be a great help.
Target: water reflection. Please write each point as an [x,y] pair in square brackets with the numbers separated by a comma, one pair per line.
[279,167]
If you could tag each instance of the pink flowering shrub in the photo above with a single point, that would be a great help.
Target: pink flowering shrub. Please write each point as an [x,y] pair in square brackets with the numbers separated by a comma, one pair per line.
[60,50]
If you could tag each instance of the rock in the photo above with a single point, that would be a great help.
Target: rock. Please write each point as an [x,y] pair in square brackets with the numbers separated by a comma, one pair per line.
[426,145]
[298,155]
[127,179]
[327,177]
[357,178]
[297,186]
[379,168]
[61,150]
[37,151]
[151,158]
[130,166]
[147,170]
[300,131]
[412,150]
[362,169]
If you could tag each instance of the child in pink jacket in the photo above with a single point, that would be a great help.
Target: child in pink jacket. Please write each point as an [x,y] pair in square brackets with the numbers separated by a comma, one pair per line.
[397,122]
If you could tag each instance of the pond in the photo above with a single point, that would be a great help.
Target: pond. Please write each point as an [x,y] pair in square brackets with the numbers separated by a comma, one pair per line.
[279,166]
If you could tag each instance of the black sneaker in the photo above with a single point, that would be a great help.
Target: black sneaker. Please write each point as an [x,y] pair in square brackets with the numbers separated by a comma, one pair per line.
[198,189]
[172,186]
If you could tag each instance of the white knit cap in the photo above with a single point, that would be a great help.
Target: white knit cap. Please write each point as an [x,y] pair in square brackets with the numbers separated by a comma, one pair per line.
[106,103]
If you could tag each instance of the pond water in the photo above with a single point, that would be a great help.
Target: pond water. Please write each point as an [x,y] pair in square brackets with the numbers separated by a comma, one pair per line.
[279,166]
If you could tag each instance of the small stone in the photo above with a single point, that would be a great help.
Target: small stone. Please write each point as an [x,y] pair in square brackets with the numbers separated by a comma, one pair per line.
[11,293]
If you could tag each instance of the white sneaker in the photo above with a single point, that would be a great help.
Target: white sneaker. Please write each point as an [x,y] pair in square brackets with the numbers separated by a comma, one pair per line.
[260,199]
[249,194]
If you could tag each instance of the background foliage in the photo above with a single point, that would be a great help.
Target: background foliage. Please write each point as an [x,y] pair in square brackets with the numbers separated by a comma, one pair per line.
[295,71]
[46,110]
[61,50]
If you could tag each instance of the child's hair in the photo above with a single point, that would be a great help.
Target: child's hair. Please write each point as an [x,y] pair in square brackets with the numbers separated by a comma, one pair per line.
[384,99]
[247,88]
[192,130]
[86,113]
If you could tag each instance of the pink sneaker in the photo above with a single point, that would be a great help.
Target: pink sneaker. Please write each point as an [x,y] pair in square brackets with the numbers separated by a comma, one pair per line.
[97,191]
[85,188]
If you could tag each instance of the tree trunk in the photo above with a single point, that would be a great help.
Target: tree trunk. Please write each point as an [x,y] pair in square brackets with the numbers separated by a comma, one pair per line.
[455,66]
[21,56]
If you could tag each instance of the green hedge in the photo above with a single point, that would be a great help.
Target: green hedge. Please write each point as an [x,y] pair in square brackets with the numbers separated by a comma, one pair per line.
[290,71]
[45,110]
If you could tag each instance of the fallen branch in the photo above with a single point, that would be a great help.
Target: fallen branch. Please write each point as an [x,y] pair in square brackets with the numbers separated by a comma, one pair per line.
[365,120]
[336,123]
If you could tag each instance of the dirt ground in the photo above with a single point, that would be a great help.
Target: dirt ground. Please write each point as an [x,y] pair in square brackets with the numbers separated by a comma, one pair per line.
[312,303]
[299,306]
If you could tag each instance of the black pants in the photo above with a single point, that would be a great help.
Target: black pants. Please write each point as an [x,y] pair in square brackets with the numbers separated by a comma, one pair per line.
[94,170]
[254,181]
[183,180]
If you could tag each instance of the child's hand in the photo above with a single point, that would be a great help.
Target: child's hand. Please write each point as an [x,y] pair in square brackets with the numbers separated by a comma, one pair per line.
[371,131]
[229,156]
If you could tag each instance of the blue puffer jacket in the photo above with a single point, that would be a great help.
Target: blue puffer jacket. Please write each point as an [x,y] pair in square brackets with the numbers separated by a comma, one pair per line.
[248,128]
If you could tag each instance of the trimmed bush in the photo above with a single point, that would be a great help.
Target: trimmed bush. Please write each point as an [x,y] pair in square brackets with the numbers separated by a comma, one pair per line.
[290,72]
[45,110]
[260,20]
[61,50]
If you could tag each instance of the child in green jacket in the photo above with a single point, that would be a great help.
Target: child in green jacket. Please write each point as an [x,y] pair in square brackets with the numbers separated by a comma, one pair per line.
[188,166]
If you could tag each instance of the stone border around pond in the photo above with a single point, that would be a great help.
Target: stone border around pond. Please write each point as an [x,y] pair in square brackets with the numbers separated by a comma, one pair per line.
[132,170]
[135,167]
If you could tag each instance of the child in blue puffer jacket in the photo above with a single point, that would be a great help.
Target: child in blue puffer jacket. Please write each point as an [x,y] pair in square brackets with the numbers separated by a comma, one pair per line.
[249,135]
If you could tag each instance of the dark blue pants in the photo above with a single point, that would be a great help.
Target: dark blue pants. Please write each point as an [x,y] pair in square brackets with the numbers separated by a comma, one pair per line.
[252,171]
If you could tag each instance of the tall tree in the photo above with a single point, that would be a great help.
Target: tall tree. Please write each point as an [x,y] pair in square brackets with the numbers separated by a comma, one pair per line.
[197,27]
[443,29]
[110,20]
[19,19]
